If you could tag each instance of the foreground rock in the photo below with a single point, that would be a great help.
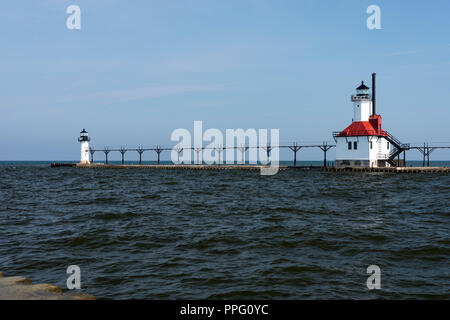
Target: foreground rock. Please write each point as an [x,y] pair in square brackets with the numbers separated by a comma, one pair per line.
[20,288]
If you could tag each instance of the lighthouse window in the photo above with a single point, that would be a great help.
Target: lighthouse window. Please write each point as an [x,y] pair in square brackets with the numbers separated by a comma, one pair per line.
[388,145]
[370,144]
[349,146]
[355,145]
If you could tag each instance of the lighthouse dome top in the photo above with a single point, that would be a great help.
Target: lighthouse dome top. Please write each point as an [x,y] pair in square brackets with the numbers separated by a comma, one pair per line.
[361,87]
[362,90]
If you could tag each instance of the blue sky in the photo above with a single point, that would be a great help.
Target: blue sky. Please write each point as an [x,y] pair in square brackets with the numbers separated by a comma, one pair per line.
[137,70]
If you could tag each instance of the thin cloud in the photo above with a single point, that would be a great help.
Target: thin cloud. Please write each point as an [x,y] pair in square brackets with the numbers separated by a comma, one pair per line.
[105,97]
[416,51]
[403,53]
[141,93]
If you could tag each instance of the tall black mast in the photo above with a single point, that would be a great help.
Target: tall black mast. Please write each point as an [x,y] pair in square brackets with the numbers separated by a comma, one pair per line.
[373,93]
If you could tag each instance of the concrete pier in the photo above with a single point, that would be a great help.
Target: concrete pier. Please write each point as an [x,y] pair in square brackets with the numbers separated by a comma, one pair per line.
[20,288]
[252,167]
[391,169]
[177,166]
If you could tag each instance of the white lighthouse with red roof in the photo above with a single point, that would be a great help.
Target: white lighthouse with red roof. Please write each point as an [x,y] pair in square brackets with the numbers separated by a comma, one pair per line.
[364,143]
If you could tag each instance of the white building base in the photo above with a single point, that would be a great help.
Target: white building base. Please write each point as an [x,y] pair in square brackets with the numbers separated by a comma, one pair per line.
[370,151]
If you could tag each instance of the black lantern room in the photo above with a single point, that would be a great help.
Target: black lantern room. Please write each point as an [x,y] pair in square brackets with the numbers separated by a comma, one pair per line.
[362,90]
[83,136]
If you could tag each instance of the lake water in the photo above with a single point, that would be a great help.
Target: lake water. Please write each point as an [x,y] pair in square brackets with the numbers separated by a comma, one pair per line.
[157,234]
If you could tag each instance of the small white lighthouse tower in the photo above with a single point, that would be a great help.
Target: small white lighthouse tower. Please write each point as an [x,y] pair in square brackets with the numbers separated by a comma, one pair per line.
[362,104]
[84,141]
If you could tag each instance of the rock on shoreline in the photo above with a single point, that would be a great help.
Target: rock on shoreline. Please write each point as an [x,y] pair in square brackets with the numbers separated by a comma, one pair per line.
[20,288]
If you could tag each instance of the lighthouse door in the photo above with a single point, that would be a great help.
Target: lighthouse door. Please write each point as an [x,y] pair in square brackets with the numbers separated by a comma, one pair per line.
[380,154]
[380,151]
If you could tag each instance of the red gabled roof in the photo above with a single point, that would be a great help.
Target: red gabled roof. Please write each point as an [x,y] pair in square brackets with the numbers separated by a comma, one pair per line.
[362,128]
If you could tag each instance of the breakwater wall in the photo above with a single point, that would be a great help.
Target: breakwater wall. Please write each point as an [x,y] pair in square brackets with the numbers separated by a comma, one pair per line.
[252,167]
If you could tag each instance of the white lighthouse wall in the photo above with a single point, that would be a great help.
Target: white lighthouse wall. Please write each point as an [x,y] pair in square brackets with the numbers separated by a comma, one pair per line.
[84,152]
[361,153]
[363,156]
[380,149]
[362,110]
